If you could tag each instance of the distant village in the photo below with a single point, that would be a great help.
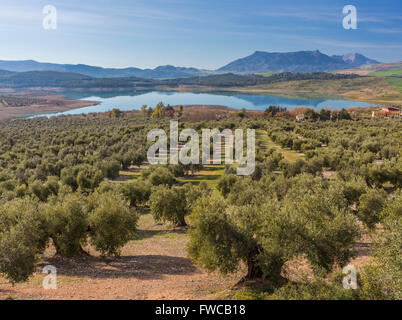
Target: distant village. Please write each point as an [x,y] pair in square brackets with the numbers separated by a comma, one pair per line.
[387,112]
[324,115]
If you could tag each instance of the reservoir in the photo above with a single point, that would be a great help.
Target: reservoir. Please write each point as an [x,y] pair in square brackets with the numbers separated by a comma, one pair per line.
[134,100]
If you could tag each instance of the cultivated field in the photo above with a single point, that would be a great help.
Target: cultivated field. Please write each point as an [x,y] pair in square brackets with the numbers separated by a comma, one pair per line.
[77,193]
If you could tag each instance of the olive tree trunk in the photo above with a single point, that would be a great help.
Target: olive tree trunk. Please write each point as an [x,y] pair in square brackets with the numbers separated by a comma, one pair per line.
[272,267]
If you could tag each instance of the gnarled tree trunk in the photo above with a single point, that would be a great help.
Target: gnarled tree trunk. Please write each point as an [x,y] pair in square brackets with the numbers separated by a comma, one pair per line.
[254,271]
[182,222]
[272,270]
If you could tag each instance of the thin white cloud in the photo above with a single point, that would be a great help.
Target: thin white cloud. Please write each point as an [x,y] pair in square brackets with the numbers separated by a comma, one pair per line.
[386,30]
[328,15]
[347,44]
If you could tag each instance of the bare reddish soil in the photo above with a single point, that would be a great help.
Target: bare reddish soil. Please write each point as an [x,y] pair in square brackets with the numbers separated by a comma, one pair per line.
[155,266]
[49,102]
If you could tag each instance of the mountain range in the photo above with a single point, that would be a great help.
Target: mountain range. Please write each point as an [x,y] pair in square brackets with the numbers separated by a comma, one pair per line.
[301,61]
[160,72]
[258,62]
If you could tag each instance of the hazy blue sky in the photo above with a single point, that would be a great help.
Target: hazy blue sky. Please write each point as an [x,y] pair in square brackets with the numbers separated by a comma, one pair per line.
[199,33]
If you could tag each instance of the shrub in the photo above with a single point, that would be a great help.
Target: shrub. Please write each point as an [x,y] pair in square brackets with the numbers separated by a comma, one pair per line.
[139,157]
[110,168]
[39,190]
[106,186]
[67,223]
[225,184]
[137,192]
[169,204]
[178,170]
[161,176]
[370,206]
[112,222]
[17,259]
[85,177]
[23,237]
[314,166]
[68,178]
[52,185]
[193,193]
[245,192]
[317,289]
[291,169]
[353,189]
[382,279]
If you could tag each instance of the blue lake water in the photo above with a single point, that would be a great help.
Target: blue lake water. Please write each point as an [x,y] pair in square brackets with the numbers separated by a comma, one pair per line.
[134,100]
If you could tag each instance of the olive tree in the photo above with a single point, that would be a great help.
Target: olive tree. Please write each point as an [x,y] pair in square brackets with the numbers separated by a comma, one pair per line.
[84,177]
[110,168]
[312,222]
[112,222]
[23,237]
[139,157]
[137,192]
[169,204]
[225,183]
[174,204]
[353,189]
[193,193]
[161,176]
[370,206]
[382,279]
[67,223]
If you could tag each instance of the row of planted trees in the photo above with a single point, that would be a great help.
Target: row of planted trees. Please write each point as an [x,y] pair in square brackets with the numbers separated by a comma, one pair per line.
[103,219]
[287,211]
[283,212]
[266,225]
[266,222]
[101,214]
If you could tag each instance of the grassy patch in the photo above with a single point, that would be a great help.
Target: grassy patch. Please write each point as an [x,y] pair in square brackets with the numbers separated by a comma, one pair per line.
[210,174]
[243,294]
[371,89]
[267,143]
[266,74]
[396,82]
[388,73]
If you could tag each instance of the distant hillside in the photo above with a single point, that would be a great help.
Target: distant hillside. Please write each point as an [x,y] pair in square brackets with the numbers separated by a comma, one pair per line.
[5,73]
[162,72]
[315,85]
[56,79]
[258,62]
[301,61]
[385,69]
[63,80]
[356,60]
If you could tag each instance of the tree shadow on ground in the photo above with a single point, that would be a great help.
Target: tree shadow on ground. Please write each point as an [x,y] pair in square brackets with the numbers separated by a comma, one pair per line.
[213,168]
[363,249]
[144,234]
[7,291]
[146,267]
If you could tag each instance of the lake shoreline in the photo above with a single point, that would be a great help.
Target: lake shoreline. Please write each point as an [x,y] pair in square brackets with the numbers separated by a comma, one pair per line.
[43,103]
[280,93]
[89,102]
[288,92]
